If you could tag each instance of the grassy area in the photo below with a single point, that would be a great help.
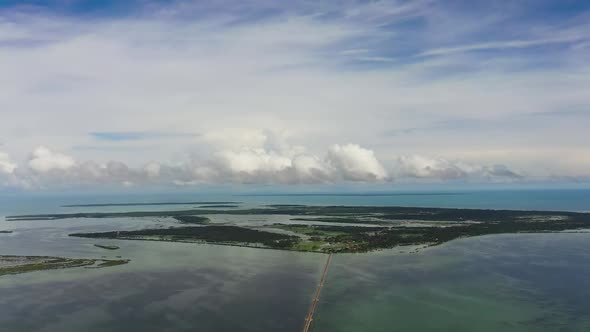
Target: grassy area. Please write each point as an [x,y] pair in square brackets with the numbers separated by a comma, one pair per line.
[308,246]
[310,230]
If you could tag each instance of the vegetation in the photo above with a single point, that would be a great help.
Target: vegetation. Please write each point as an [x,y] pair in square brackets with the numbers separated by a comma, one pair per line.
[24,264]
[383,213]
[360,239]
[192,219]
[213,234]
[431,226]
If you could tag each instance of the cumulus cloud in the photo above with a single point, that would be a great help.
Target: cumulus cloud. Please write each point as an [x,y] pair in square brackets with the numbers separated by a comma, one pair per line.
[348,162]
[44,160]
[252,160]
[7,166]
[264,163]
[355,163]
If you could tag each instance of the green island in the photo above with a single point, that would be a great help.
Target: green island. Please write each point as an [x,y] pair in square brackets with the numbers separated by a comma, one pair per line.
[24,264]
[320,229]
[228,235]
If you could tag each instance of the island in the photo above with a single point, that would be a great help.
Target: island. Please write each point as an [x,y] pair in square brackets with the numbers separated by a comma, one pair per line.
[23,264]
[335,229]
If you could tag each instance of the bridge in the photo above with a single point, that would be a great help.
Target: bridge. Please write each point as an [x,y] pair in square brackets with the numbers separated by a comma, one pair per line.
[316,296]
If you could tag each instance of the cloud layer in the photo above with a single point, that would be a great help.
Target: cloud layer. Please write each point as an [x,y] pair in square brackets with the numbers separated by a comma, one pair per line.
[341,163]
[189,92]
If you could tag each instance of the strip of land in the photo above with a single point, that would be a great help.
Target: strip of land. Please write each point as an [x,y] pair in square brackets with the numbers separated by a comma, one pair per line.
[377,213]
[316,296]
[24,264]
[107,247]
[217,204]
[211,234]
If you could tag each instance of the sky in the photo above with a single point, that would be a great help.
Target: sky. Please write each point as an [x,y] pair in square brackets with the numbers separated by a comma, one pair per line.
[199,93]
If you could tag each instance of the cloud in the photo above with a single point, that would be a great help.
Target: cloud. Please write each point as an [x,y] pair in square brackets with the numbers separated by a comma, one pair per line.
[135,135]
[252,160]
[44,160]
[7,166]
[152,169]
[507,44]
[417,166]
[283,164]
[251,76]
[288,165]
[426,167]
[501,171]
[355,163]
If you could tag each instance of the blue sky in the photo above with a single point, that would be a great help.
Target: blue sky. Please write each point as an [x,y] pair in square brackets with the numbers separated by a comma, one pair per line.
[193,93]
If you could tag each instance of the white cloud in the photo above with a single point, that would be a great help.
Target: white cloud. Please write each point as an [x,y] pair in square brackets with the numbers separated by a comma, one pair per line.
[252,160]
[355,163]
[292,77]
[501,45]
[152,169]
[7,166]
[308,166]
[285,165]
[44,160]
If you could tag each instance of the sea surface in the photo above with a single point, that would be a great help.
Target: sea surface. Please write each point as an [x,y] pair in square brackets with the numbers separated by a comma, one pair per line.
[514,282]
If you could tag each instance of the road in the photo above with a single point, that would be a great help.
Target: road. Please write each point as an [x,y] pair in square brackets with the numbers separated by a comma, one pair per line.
[316,296]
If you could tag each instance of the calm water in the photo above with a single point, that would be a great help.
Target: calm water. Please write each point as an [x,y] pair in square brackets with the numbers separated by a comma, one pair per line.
[532,282]
[165,287]
[561,200]
[525,282]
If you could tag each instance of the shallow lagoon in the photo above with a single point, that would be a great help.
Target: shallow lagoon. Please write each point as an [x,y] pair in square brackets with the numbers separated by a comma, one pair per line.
[166,287]
[524,282]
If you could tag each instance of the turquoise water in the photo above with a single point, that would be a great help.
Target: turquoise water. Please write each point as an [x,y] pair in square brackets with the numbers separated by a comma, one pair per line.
[561,200]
